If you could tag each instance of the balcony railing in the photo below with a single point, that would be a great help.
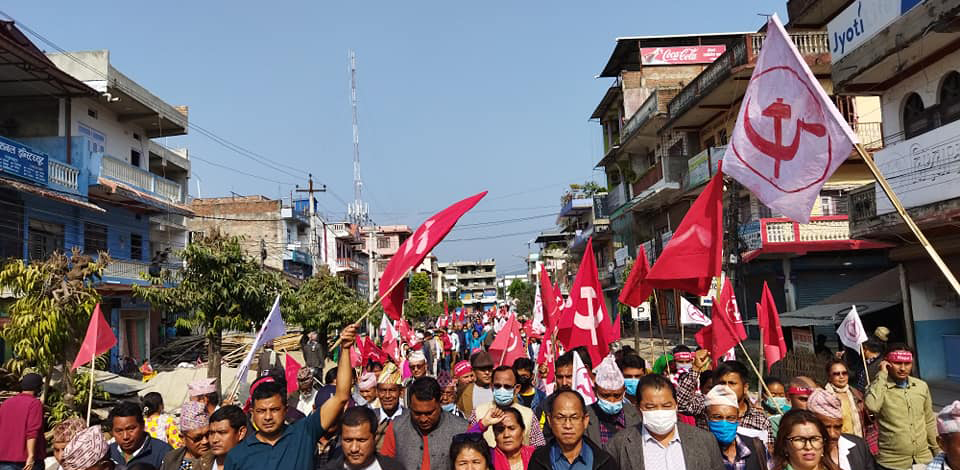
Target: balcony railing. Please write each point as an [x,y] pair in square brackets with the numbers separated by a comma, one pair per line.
[740,53]
[650,178]
[122,171]
[576,204]
[616,197]
[349,264]
[62,174]
[774,231]
[647,110]
[863,203]
[129,270]
[870,134]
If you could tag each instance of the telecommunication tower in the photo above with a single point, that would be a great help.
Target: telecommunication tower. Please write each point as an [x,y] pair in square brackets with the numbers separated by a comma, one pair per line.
[357,210]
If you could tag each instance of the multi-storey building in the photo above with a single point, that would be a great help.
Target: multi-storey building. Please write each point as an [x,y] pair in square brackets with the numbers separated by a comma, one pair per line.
[80,169]
[382,242]
[474,282]
[906,53]
[583,217]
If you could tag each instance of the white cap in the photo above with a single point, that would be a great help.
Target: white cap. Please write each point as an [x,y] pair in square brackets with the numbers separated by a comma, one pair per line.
[721,395]
[608,374]
[417,357]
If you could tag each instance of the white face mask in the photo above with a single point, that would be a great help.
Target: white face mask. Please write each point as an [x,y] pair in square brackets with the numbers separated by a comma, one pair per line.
[659,422]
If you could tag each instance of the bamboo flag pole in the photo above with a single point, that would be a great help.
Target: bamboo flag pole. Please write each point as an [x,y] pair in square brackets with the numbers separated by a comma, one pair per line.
[375,304]
[864,358]
[757,371]
[93,380]
[882,181]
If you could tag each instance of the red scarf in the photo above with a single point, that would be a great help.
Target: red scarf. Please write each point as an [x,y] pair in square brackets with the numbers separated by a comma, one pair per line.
[500,461]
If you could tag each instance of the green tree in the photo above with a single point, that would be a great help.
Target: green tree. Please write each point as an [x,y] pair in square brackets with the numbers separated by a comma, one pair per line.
[325,303]
[220,288]
[525,294]
[420,303]
[48,320]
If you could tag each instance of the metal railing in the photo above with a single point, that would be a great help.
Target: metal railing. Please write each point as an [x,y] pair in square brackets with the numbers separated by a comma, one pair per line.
[129,270]
[122,171]
[863,203]
[62,174]
[807,42]
[870,134]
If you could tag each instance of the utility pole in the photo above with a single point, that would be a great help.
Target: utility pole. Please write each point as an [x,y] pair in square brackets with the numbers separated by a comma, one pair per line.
[310,203]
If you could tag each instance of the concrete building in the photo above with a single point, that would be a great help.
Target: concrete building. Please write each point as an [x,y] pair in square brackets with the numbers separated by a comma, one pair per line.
[275,232]
[474,282]
[906,53]
[583,217]
[80,170]
[382,242]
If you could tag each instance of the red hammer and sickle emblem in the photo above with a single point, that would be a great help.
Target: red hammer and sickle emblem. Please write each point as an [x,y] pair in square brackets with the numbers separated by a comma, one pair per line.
[779,111]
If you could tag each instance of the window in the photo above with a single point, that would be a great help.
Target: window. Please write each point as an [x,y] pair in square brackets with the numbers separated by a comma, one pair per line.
[136,136]
[194,236]
[94,238]
[134,158]
[136,246]
[45,238]
[11,219]
[950,98]
[916,120]
[92,112]
[383,242]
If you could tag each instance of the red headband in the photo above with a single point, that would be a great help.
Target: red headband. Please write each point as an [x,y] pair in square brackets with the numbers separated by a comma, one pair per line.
[799,391]
[683,356]
[900,356]
[257,383]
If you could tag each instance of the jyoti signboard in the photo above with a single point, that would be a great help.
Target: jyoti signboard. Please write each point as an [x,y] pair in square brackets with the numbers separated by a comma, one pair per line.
[19,160]
[922,170]
[861,21]
[680,55]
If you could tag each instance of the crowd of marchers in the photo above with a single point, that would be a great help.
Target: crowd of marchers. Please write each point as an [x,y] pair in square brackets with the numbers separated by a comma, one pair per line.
[448,405]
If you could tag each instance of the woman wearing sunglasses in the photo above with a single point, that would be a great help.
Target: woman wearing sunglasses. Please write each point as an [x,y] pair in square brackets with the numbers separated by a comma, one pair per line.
[856,419]
[802,443]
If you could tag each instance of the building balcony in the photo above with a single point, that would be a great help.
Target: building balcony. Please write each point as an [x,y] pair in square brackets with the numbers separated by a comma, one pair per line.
[616,197]
[297,256]
[702,166]
[128,272]
[576,205]
[870,134]
[780,236]
[720,86]
[138,178]
[350,265]
[641,129]
[294,214]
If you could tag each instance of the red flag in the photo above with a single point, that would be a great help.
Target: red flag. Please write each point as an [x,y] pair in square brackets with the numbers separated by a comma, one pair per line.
[507,346]
[290,369]
[548,298]
[391,346]
[692,258]
[728,306]
[616,328]
[374,353]
[636,290]
[98,340]
[414,249]
[771,335]
[720,336]
[586,323]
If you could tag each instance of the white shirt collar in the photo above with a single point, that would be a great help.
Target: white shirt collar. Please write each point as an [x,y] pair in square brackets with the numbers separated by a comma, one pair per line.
[647,437]
[384,415]
[843,449]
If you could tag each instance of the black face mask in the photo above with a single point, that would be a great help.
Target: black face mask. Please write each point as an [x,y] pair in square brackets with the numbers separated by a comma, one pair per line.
[525,381]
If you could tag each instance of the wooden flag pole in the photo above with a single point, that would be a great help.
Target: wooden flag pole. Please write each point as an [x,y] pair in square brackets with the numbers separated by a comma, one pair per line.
[375,304]
[864,358]
[882,181]
[93,380]
[757,371]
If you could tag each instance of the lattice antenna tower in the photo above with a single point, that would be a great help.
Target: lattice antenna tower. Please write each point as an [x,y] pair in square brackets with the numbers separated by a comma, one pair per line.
[357,211]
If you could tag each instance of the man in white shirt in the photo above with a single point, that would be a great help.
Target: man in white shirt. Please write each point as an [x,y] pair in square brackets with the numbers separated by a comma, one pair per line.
[303,399]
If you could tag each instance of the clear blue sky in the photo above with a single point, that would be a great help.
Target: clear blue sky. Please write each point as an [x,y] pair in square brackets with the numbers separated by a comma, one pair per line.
[455,97]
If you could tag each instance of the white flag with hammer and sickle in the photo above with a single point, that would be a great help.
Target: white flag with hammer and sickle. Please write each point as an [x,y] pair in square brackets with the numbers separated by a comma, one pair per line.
[789,137]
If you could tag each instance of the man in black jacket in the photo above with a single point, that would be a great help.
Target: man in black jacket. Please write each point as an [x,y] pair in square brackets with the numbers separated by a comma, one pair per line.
[849,452]
[570,449]
[359,443]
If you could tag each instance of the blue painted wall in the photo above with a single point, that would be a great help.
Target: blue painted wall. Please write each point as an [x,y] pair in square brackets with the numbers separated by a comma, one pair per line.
[56,149]
[930,347]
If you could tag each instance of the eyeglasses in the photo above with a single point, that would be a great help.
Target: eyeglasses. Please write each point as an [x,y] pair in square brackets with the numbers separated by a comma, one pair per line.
[503,386]
[800,442]
[468,437]
[567,419]
[841,373]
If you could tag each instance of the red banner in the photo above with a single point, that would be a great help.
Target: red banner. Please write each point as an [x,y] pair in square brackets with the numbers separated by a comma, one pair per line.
[680,55]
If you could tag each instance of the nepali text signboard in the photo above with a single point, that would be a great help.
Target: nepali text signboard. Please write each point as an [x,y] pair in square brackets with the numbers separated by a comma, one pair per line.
[861,21]
[680,55]
[23,162]
[921,170]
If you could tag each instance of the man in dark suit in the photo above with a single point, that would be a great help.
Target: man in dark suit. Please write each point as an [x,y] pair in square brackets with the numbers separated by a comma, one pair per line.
[846,450]
[660,442]
[359,444]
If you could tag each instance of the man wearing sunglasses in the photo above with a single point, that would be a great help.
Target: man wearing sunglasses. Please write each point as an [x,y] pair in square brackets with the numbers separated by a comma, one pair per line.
[423,441]
[505,396]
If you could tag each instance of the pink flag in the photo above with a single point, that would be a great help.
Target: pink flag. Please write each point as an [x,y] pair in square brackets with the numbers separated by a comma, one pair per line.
[290,369]
[581,380]
[507,346]
[99,339]
[789,137]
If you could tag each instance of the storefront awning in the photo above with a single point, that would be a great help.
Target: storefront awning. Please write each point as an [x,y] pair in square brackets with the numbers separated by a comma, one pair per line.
[49,194]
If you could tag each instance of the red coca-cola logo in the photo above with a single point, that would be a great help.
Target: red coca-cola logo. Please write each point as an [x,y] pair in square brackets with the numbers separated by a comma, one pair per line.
[680,55]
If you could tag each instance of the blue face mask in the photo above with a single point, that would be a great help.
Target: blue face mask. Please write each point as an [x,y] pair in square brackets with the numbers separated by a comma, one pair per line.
[609,407]
[780,403]
[724,431]
[449,407]
[503,396]
[631,385]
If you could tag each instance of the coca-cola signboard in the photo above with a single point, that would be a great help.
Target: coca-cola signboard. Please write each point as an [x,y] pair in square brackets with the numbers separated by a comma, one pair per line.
[680,55]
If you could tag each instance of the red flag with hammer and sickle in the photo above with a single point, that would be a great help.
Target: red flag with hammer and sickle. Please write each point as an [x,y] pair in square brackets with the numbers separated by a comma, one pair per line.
[587,322]
[789,137]
[414,249]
